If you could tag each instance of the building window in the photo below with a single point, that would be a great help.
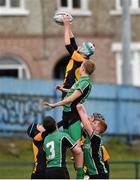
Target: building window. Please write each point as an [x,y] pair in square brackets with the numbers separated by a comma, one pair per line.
[75,7]
[13,8]
[15,3]
[134,7]
[135,62]
[76,4]
[2,3]
[64,3]
[134,4]
[10,67]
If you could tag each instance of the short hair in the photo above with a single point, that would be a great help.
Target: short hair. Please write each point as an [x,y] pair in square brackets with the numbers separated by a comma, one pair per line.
[103,125]
[102,122]
[49,124]
[99,116]
[89,66]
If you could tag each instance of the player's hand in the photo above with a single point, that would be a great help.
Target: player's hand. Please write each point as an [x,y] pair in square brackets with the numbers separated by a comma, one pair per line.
[59,87]
[79,106]
[47,104]
[40,128]
[66,19]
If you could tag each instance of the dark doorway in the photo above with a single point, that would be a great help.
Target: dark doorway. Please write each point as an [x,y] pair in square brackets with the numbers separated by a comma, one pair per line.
[9,73]
[59,70]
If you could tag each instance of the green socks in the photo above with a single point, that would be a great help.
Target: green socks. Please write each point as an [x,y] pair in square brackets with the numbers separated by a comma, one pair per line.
[80,173]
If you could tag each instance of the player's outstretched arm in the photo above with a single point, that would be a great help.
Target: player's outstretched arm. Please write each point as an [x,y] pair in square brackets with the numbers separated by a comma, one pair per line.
[61,88]
[66,21]
[74,96]
[69,39]
[84,118]
[72,40]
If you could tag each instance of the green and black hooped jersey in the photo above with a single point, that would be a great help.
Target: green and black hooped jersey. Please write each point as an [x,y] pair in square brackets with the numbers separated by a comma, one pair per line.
[93,158]
[55,146]
[70,113]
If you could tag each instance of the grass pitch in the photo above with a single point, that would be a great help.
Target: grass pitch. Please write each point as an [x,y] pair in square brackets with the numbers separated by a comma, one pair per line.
[14,151]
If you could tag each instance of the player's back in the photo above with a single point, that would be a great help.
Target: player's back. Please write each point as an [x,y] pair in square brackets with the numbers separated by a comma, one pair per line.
[72,70]
[55,145]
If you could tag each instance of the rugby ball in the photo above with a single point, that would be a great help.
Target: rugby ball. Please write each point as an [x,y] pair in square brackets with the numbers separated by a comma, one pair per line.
[58,17]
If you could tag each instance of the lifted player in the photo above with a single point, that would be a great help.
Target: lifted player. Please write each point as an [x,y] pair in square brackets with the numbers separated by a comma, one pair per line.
[78,55]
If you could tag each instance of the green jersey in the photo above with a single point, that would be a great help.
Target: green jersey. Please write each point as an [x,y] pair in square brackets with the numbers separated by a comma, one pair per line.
[84,84]
[93,159]
[70,113]
[55,146]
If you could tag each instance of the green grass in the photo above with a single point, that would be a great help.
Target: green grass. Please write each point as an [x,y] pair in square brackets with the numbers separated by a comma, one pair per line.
[15,172]
[19,150]
[122,171]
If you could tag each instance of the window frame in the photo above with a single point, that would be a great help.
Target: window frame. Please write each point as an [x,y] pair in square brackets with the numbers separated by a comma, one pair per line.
[134,4]
[135,62]
[134,8]
[83,11]
[7,10]
[18,65]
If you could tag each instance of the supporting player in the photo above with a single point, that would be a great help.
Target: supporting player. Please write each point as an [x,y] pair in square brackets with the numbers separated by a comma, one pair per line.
[92,147]
[38,133]
[55,145]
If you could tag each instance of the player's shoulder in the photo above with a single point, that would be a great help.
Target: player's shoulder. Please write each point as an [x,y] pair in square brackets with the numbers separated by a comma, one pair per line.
[84,79]
[59,134]
[64,134]
[32,130]
[77,57]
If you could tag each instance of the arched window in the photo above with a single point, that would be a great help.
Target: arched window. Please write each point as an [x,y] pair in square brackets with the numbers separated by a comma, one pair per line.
[59,69]
[11,67]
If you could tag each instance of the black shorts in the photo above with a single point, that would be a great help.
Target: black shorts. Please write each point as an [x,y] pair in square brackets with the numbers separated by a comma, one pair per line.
[57,173]
[39,175]
[107,167]
[99,176]
[70,118]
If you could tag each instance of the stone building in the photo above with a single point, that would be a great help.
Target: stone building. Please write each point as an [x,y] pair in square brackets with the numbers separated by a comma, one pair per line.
[32,44]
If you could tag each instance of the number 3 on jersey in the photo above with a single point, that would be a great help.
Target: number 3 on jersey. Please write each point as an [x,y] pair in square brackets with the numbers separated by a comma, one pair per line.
[50,146]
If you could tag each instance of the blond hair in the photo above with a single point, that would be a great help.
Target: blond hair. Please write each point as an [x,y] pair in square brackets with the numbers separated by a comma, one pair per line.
[89,66]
